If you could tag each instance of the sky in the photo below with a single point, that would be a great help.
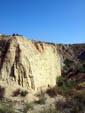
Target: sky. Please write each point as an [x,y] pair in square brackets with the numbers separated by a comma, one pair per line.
[58,21]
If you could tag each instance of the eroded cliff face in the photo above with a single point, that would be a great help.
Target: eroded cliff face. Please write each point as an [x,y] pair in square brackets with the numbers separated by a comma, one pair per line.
[28,63]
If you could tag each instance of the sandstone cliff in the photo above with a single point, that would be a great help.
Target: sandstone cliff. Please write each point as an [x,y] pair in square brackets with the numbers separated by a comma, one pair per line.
[28,63]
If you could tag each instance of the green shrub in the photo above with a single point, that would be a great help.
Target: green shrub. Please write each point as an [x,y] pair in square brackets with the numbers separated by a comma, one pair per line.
[81,68]
[68,62]
[61,80]
[65,86]
[20,92]
[14,34]
[24,93]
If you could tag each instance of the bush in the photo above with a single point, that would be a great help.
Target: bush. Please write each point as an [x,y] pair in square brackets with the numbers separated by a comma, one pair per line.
[17,92]
[65,86]
[13,34]
[16,34]
[60,80]
[51,92]
[81,68]
[74,105]
[2,92]
[24,93]
[68,62]
[79,100]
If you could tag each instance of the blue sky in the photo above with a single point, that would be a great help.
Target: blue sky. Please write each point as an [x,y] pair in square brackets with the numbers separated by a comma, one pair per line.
[59,21]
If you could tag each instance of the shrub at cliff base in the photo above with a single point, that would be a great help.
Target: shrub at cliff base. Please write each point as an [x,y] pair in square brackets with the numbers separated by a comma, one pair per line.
[75,104]
[65,86]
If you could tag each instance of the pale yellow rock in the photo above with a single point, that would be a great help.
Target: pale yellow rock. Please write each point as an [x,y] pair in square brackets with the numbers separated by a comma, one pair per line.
[30,64]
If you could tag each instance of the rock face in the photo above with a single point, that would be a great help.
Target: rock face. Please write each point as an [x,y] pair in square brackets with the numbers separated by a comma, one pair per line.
[30,64]
[75,52]
[72,57]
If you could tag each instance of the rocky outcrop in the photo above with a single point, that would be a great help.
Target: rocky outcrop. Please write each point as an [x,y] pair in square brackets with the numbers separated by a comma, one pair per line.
[74,52]
[30,64]
[72,57]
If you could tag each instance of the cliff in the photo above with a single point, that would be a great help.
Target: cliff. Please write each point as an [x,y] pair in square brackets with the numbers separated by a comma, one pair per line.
[28,63]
